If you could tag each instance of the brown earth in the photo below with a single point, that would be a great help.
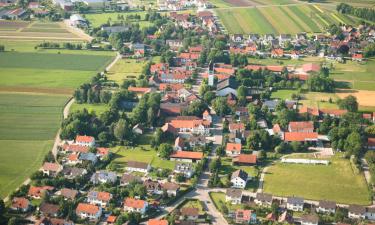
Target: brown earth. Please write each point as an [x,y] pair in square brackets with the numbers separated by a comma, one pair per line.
[364,98]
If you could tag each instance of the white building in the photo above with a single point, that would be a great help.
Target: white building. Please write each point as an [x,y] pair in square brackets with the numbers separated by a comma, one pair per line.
[92,212]
[295,204]
[135,166]
[239,179]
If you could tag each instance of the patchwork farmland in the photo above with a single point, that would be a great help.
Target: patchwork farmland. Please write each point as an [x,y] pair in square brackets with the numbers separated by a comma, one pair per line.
[290,19]
[34,87]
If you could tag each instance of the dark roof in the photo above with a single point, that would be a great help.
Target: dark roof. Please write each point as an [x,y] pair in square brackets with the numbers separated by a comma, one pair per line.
[69,193]
[263,197]
[357,209]
[294,200]
[310,218]
[189,211]
[229,82]
[234,193]
[327,204]
[49,209]
[241,174]
[128,178]
[136,164]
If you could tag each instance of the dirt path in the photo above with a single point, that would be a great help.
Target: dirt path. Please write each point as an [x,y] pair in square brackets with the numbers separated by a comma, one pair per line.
[80,33]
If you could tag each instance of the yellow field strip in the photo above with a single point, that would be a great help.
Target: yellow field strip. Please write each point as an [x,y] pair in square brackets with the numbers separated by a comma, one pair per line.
[317,7]
[337,18]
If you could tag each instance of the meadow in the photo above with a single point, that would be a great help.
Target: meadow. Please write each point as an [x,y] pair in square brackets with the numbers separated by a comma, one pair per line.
[98,19]
[34,86]
[335,182]
[280,19]
[97,108]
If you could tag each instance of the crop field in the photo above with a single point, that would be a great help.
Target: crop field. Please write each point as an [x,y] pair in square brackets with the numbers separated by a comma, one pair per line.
[280,19]
[336,182]
[142,153]
[28,123]
[34,86]
[36,30]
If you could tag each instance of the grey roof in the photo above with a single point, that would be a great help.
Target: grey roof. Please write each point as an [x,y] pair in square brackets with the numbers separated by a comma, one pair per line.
[229,82]
[357,209]
[271,104]
[89,156]
[128,178]
[136,164]
[295,200]
[310,218]
[327,204]
[183,166]
[241,174]
[104,176]
[74,171]
[49,209]
[263,197]
[234,193]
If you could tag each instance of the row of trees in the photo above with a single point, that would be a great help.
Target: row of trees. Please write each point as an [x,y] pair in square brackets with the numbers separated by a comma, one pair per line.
[364,13]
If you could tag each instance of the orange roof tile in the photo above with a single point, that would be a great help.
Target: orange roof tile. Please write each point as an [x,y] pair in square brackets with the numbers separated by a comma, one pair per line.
[187,155]
[84,138]
[20,203]
[134,203]
[246,158]
[87,208]
[111,219]
[143,90]
[157,222]
[51,166]
[234,147]
[300,136]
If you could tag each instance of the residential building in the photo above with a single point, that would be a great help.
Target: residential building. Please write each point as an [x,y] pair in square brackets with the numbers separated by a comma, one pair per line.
[294,203]
[99,198]
[245,216]
[129,178]
[326,207]
[91,212]
[157,222]
[186,156]
[309,219]
[234,196]
[51,169]
[103,176]
[171,188]
[245,159]
[84,140]
[20,204]
[263,199]
[301,127]
[233,149]
[226,86]
[135,205]
[184,168]
[135,166]
[68,194]
[356,212]
[49,210]
[239,179]
[189,213]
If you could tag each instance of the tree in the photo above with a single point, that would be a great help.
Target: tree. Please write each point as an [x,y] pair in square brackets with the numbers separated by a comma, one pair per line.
[121,130]
[165,150]
[349,103]
[209,96]
[215,165]
[220,106]
[353,144]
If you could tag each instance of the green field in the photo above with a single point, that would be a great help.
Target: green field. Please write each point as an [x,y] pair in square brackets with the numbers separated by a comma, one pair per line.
[34,87]
[97,108]
[28,123]
[98,19]
[280,19]
[336,182]
[142,153]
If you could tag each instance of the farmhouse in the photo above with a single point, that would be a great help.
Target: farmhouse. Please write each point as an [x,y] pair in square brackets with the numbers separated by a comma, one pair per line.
[186,156]
[326,207]
[20,204]
[234,196]
[294,203]
[91,212]
[301,126]
[135,205]
[135,166]
[99,198]
[239,179]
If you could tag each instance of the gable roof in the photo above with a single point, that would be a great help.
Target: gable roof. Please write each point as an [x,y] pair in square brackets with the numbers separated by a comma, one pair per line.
[295,200]
[300,136]
[298,126]
[310,218]
[189,211]
[69,193]
[49,209]
[187,155]
[234,193]
[136,164]
[87,208]
[245,158]
[327,204]
[51,167]
[134,203]
[234,147]
[241,174]
[84,138]
[100,195]
[230,82]
[157,222]
[20,203]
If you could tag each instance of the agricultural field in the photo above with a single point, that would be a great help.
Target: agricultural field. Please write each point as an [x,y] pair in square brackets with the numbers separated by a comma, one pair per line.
[28,124]
[97,108]
[142,153]
[336,182]
[244,3]
[98,19]
[34,87]
[37,31]
[280,19]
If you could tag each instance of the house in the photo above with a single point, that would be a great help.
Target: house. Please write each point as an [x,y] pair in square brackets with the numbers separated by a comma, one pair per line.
[245,159]
[238,38]
[370,213]
[237,128]
[102,152]
[309,219]
[233,149]
[153,187]
[239,179]
[186,156]
[300,137]
[20,204]
[157,222]
[88,157]
[356,212]
[301,126]
[129,178]
[73,159]
[99,198]
[38,192]
[171,188]
[140,91]
[135,166]
[189,213]
[326,207]
[226,86]
[311,68]
[51,169]
[191,124]
[68,194]
[138,129]
[88,211]
[50,210]
[178,144]
[74,148]
[103,176]
[245,216]
[15,14]
[263,199]
[73,172]
[52,221]
[234,196]
[271,104]
[114,29]
[88,141]
[135,205]
[294,203]
[371,143]
[277,53]
[184,168]
[111,219]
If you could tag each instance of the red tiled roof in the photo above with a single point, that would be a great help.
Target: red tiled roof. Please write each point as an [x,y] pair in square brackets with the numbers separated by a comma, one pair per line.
[246,158]
[87,208]
[298,76]
[276,128]
[51,166]
[311,111]
[73,157]
[111,219]
[157,222]
[336,112]
[159,66]
[301,126]
[229,71]
[38,191]
[311,67]
[371,142]
[243,214]
[20,203]
[102,151]
[134,203]
[234,147]
[187,155]
[84,138]
[357,56]
[143,90]
[277,51]
[236,126]
[300,136]
[367,116]
[173,87]
[186,122]
[104,196]
[76,148]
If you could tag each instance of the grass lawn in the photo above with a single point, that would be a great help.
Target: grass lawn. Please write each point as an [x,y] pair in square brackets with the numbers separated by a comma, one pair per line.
[218,198]
[142,153]
[228,168]
[283,94]
[320,100]
[193,203]
[336,182]
[98,19]
[97,108]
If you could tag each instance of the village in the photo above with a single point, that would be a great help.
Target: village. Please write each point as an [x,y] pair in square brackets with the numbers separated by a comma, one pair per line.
[193,138]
